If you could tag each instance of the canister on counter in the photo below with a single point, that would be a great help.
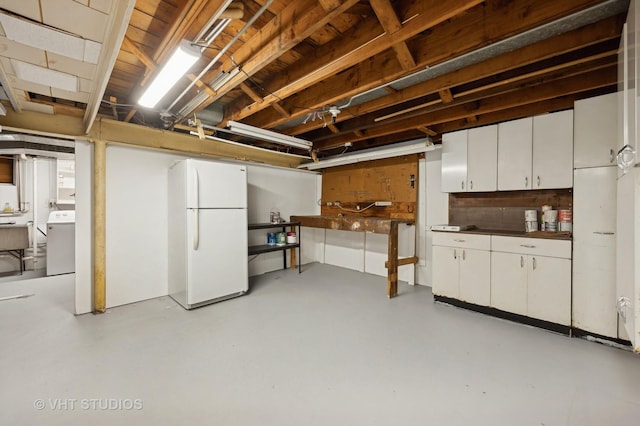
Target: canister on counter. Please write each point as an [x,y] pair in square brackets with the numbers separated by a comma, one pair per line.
[542,219]
[531,220]
[565,220]
[551,220]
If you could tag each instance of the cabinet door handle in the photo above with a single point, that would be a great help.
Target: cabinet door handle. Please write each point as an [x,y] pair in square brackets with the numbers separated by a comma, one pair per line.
[455,254]
[604,233]
[470,184]
[527,246]
[611,156]
[538,180]
[534,263]
[458,240]
[462,254]
[526,181]
[521,262]
[462,185]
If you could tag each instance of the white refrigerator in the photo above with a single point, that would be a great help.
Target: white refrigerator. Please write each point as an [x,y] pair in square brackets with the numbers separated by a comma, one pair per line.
[207,256]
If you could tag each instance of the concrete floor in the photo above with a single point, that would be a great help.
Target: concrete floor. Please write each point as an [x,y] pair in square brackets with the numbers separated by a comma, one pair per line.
[323,347]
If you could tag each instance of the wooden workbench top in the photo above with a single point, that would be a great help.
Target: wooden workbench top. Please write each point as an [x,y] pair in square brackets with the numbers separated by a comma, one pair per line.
[381,225]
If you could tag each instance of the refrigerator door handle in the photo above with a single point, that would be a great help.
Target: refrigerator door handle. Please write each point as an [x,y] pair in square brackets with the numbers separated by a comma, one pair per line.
[196,211]
[196,228]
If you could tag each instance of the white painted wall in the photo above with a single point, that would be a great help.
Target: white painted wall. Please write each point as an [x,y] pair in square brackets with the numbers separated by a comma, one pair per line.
[291,192]
[84,227]
[136,220]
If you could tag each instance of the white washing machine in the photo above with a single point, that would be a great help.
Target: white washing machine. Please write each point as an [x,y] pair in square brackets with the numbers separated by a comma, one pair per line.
[61,242]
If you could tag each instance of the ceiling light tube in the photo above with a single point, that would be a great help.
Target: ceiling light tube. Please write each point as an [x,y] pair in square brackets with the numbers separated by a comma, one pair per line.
[185,56]
[267,135]
[396,150]
[223,78]
[214,138]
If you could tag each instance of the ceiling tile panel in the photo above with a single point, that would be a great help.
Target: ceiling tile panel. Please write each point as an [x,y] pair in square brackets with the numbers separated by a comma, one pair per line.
[18,84]
[37,107]
[36,74]
[27,8]
[87,22]
[71,66]
[103,6]
[72,96]
[42,37]
[12,49]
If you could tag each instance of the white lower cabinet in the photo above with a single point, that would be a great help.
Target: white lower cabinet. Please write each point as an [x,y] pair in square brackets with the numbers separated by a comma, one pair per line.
[509,282]
[549,289]
[461,267]
[445,272]
[532,277]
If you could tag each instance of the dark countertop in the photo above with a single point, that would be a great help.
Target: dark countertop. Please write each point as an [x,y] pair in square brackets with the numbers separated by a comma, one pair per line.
[536,234]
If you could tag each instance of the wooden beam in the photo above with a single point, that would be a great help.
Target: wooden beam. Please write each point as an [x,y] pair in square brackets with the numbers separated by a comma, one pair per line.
[201,85]
[280,110]
[526,95]
[391,24]
[146,137]
[431,47]
[362,42]
[99,226]
[607,29]
[130,115]
[117,23]
[140,136]
[446,95]
[333,128]
[505,82]
[138,53]
[250,92]
[426,130]
[297,21]
[329,5]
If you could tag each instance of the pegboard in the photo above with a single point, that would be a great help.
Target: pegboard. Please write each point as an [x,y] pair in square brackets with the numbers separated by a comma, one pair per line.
[357,186]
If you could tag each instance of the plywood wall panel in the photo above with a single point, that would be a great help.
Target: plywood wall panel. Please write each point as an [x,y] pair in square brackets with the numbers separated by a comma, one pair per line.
[357,186]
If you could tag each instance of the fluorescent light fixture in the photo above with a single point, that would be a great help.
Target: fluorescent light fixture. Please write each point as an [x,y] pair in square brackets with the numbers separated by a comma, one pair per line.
[267,135]
[223,78]
[396,150]
[176,67]
[214,138]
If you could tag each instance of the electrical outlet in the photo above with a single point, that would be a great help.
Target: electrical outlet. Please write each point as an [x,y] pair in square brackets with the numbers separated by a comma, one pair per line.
[383,203]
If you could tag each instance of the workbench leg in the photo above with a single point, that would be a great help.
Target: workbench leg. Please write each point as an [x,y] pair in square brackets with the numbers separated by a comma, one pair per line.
[293,252]
[392,259]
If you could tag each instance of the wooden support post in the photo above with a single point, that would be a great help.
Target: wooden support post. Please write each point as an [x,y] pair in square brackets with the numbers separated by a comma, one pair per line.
[99,226]
[392,261]
[294,264]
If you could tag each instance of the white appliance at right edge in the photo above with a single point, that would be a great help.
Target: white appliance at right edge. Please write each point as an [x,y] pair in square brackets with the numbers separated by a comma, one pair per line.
[207,232]
[628,185]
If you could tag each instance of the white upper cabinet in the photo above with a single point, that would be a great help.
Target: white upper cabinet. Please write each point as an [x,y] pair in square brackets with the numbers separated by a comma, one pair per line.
[515,139]
[595,129]
[553,150]
[454,161]
[482,159]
